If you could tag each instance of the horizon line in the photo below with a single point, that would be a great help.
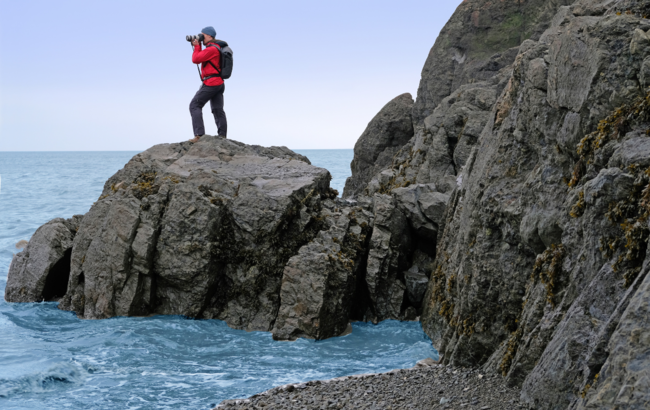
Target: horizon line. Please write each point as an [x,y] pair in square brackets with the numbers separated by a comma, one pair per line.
[136,150]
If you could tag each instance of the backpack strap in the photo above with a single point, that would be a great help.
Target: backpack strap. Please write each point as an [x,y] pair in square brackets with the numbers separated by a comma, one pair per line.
[213,66]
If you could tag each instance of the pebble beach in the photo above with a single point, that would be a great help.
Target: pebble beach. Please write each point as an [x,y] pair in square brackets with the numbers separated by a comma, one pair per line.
[425,386]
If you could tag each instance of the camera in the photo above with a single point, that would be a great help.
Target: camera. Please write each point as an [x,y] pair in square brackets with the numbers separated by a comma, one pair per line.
[199,37]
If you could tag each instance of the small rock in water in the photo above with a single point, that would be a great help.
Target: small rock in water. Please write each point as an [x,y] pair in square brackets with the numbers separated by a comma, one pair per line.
[426,362]
[21,244]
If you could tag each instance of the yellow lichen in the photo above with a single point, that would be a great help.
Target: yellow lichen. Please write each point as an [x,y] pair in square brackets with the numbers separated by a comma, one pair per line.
[579,207]
[511,351]
[548,267]
[144,186]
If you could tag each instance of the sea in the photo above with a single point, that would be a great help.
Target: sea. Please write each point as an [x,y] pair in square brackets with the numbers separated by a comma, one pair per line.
[51,359]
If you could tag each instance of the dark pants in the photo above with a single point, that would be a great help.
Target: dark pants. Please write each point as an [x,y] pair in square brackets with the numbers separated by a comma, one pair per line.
[215,96]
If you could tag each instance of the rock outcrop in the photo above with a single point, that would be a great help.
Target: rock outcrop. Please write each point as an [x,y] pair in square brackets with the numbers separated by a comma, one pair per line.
[386,134]
[320,284]
[41,270]
[481,38]
[540,166]
[538,269]
[218,229]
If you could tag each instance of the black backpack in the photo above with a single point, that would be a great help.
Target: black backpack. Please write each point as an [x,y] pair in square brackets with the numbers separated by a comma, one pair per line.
[225,61]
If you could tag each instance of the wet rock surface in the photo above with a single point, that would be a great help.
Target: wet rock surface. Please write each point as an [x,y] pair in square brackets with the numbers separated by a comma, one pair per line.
[422,387]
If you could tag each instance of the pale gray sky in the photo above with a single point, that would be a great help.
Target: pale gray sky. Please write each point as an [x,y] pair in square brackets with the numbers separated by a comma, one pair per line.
[94,76]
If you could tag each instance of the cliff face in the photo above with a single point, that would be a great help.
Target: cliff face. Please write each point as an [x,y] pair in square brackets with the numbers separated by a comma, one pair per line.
[540,266]
[480,39]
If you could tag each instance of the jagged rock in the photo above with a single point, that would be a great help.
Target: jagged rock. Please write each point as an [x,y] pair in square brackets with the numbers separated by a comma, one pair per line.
[385,135]
[424,208]
[634,150]
[389,251]
[623,380]
[480,39]
[532,277]
[320,282]
[529,231]
[640,43]
[416,285]
[40,272]
[442,146]
[219,229]
[201,230]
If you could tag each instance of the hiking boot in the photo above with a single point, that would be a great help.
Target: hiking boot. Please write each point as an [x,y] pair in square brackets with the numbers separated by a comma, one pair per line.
[195,139]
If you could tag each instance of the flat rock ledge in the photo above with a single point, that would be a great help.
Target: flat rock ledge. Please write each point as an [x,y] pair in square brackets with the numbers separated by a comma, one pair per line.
[421,387]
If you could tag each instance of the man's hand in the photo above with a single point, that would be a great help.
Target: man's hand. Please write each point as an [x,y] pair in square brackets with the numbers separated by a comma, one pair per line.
[195,42]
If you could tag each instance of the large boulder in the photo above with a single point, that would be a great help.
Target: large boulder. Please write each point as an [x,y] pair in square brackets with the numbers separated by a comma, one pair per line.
[385,135]
[40,272]
[202,230]
[218,229]
[320,285]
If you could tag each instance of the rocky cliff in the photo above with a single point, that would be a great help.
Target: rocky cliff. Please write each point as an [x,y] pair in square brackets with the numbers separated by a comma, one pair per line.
[539,270]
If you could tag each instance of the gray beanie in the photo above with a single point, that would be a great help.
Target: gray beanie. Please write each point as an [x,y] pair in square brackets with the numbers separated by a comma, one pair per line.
[209,31]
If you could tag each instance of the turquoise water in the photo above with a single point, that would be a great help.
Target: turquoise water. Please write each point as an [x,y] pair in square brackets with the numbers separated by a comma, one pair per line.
[336,161]
[51,359]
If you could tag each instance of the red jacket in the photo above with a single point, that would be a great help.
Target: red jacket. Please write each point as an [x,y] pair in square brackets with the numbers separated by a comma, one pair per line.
[202,57]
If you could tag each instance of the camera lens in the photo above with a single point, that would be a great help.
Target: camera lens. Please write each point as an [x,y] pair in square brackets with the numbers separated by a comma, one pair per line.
[201,37]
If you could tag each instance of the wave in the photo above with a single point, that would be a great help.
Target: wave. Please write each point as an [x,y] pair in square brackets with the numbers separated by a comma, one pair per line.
[58,375]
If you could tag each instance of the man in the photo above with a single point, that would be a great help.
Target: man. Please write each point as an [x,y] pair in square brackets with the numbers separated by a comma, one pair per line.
[212,88]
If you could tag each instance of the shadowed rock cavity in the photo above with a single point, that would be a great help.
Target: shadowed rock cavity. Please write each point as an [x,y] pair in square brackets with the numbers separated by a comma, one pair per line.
[56,283]
[40,272]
